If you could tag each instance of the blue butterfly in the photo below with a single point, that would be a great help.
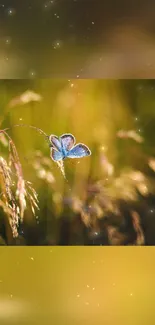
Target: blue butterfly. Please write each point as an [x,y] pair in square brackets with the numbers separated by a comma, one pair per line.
[64,147]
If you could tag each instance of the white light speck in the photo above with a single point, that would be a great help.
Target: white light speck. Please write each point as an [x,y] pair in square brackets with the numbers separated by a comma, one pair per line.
[11,296]
[78,296]
[8,41]
[131,294]
[47,5]
[32,73]
[77,76]
[93,289]
[87,286]
[11,12]
[87,303]
[92,22]
[32,259]
[57,44]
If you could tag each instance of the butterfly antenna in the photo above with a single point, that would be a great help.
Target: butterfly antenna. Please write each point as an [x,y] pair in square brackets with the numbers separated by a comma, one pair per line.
[32,127]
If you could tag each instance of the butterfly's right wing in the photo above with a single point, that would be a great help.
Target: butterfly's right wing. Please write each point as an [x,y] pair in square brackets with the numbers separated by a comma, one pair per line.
[55,142]
[55,154]
[79,151]
[67,141]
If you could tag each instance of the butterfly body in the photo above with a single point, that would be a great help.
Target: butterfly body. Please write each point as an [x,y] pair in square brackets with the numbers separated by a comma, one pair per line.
[64,147]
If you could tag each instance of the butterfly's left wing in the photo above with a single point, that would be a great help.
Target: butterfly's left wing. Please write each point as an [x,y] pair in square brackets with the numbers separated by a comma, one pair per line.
[79,151]
[55,142]
[56,155]
[67,141]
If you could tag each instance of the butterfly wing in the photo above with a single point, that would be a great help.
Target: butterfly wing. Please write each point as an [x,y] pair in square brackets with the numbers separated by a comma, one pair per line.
[67,141]
[56,155]
[55,142]
[79,151]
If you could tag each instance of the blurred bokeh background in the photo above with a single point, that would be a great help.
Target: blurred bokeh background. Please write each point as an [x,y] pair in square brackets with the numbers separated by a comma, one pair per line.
[109,197]
[71,38]
[77,285]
